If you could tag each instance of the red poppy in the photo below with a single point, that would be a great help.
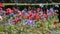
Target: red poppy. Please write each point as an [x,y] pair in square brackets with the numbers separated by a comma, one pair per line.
[35,15]
[55,22]
[30,14]
[27,17]
[9,11]
[1,5]
[38,9]
[37,19]
[16,21]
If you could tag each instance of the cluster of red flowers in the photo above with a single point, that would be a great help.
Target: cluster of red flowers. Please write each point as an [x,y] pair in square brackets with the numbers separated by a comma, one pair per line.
[30,16]
[33,15]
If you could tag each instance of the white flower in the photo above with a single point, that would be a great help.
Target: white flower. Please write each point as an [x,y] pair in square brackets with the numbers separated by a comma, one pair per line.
[1,18]
[56,5]
[41,5]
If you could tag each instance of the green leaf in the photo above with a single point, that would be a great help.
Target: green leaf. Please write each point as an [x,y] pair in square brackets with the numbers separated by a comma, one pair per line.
[1,28]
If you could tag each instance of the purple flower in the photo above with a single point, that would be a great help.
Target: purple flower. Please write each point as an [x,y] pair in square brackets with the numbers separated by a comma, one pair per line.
[10,22]
[34,11]
[20,18]
[51,10]
[29,12]
[23,11]
[2,13]
[4,25]
[29,22]
[26,14]
[11,15]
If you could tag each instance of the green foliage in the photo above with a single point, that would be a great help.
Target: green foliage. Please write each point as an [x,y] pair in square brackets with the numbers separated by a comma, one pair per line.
[1,28]
[39,27]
